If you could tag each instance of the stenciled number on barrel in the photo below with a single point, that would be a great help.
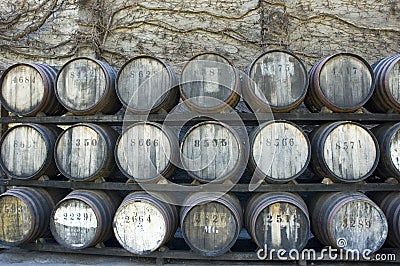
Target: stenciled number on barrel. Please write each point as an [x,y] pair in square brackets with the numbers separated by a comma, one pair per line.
[24,79]
[210,142]
[145,142]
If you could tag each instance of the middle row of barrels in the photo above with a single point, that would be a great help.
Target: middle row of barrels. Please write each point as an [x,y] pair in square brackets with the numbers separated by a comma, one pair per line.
[276,81]
[210,151]
[210,222]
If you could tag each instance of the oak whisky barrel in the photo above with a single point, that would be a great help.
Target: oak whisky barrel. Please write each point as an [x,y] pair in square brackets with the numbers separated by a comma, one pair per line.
[212,152]
[278,220]
[211,222]
[85,152]
[28,89]
[341,82]
[147,152]
[209,83]
[144,222]
[146,84]
[83,218]
[277,81]
[279,151]
[388,137]
[386,96]
[343,151]
[25,215]
[86,86]
[348,220]
[27,151]
[390,205]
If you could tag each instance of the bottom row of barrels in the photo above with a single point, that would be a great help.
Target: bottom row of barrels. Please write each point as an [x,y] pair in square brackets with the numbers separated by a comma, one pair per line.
[210,222]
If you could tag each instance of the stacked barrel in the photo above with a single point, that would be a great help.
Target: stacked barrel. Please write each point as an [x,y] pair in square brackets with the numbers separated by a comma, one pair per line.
[207,153]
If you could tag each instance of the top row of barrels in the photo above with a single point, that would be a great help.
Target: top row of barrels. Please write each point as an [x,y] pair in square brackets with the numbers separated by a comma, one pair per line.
[275,81]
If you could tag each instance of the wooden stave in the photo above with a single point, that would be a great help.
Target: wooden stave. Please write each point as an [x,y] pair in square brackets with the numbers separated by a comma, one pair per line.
[228,200]
[382,100]
[323,206]
[315,98]
[103,203]
[108,166]
[49,134]
[40,203]
[259,201]
[108,103]
[228,104]
[49,104]
[384,134]
[169,101]
[317,163]
[233,175]
[390,205]
[253,166]
[171,167]
[168,211]
[260,105]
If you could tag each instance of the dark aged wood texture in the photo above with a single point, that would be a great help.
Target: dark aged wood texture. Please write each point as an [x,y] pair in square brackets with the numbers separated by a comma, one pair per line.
[343,151]
[386,96]
[213,152]
[85,151]
[24,214]
[210,83]
[146,84]
[28,88]
[390,205]
[27,151]
[277,220]
[388,137]
[147,152]
[341,82]
[86,86]
[83,218]
[211,222]
[277,81]
[144,222]
[348,220]
[279,151]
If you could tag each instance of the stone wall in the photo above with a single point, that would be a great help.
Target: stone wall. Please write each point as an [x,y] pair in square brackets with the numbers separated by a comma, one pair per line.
[53,31]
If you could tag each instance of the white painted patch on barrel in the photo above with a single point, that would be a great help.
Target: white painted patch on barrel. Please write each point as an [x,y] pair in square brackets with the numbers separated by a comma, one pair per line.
[280,150]
[23,151]
[395,150]
[394,81]
[143,151]
[140,227]
[349,151]
[22,88]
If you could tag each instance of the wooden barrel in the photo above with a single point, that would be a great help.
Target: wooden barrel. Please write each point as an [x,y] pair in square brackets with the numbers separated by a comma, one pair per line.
[386,96]
[212,152]
[211,222]
[28,89]
[85,152]
[343,151]
[27,151]
[279,151]
[147,151]
[341,82]
[144,222]
[209,83]
[390,205]
[277,81]
[278,220]
[147,84]
[25,215]
[388,137]
[348,220]
[86,86]
[83,218]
